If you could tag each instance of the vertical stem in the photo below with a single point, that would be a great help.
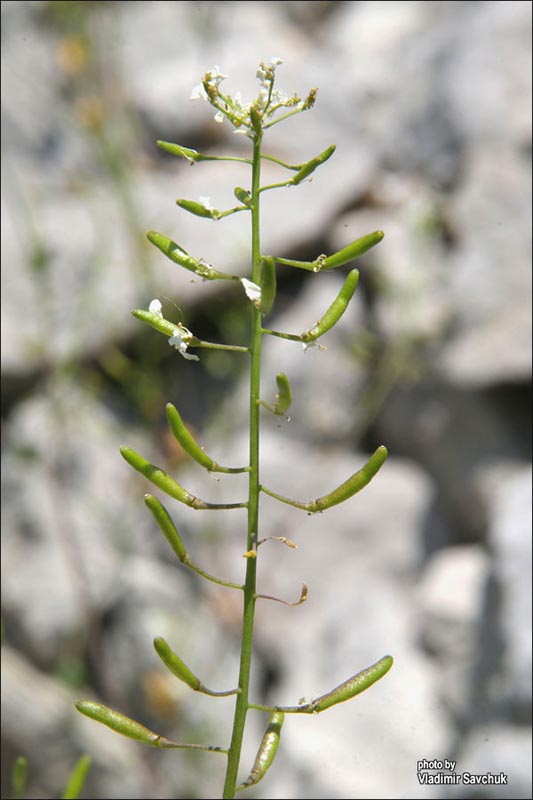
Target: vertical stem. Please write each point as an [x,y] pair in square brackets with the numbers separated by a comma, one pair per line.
[241,706]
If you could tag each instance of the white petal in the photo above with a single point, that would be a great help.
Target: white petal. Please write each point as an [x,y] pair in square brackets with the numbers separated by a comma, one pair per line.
[198,93]
[305,345]
[156,308]
[253,291]
[276,61]
[180,341]
[206,203]
[219,117]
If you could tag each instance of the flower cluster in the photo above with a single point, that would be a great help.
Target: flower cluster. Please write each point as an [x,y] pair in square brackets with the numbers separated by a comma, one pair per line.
[244,116]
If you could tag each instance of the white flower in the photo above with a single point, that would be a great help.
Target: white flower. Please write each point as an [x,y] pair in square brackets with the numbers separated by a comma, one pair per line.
[215,75]
[219,117]
[180,340]
[198,93]
[206,203]
[305,345]
[156,308]
[253,291]
[275,62]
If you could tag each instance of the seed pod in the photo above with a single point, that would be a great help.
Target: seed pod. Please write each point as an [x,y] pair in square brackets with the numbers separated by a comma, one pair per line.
[283,398]
[160,478]
[19,776]
[354,685]
[119,723]
[256,120]
[355,483]
[313,164]
[156,321]
[267,750]
[163,480]
[268,284]
[174,663]
[186,440]
[352,251]
[77,778]
[243,196]
[173,251]
[180,256]
[343,492]
[336,309]
[163,519]
[198,209]
[178,150]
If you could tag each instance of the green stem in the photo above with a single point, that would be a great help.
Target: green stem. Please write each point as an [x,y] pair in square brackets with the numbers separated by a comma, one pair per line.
[292,336]
[241,706]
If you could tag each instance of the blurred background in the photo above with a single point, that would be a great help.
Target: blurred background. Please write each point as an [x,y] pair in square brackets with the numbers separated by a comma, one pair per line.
[429,105]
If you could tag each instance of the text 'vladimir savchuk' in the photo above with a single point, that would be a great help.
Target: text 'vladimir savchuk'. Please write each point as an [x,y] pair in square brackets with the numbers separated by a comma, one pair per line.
[443,773]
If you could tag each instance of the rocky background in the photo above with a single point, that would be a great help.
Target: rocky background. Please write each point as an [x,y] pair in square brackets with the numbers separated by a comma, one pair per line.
[429,105]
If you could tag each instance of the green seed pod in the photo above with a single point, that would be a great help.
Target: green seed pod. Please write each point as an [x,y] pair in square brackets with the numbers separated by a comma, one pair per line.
[268,284]
[19,776]
[173,251]
[311,165]
[156,321]
[352,251]
[163,480]
[178,150]
[198,209]
[77,779]
[355,483]
[175,664]
[243,196]
[160,478]
[354,685]
[163,519]
[283,398]
[186,440]
[120,723]
[343,492]
[180,256]
[336,309]
[256,120]
[267,750]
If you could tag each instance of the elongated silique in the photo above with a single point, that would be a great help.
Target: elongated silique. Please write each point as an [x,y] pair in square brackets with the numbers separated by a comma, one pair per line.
[353,686]
[283,399]
[180,256]
[174,663]
[268,284]
[354,484]
[119,722]
[163,480]
[308,168]
[163,519]
[126,726]
[336,309]
[186,440]
[267,750]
